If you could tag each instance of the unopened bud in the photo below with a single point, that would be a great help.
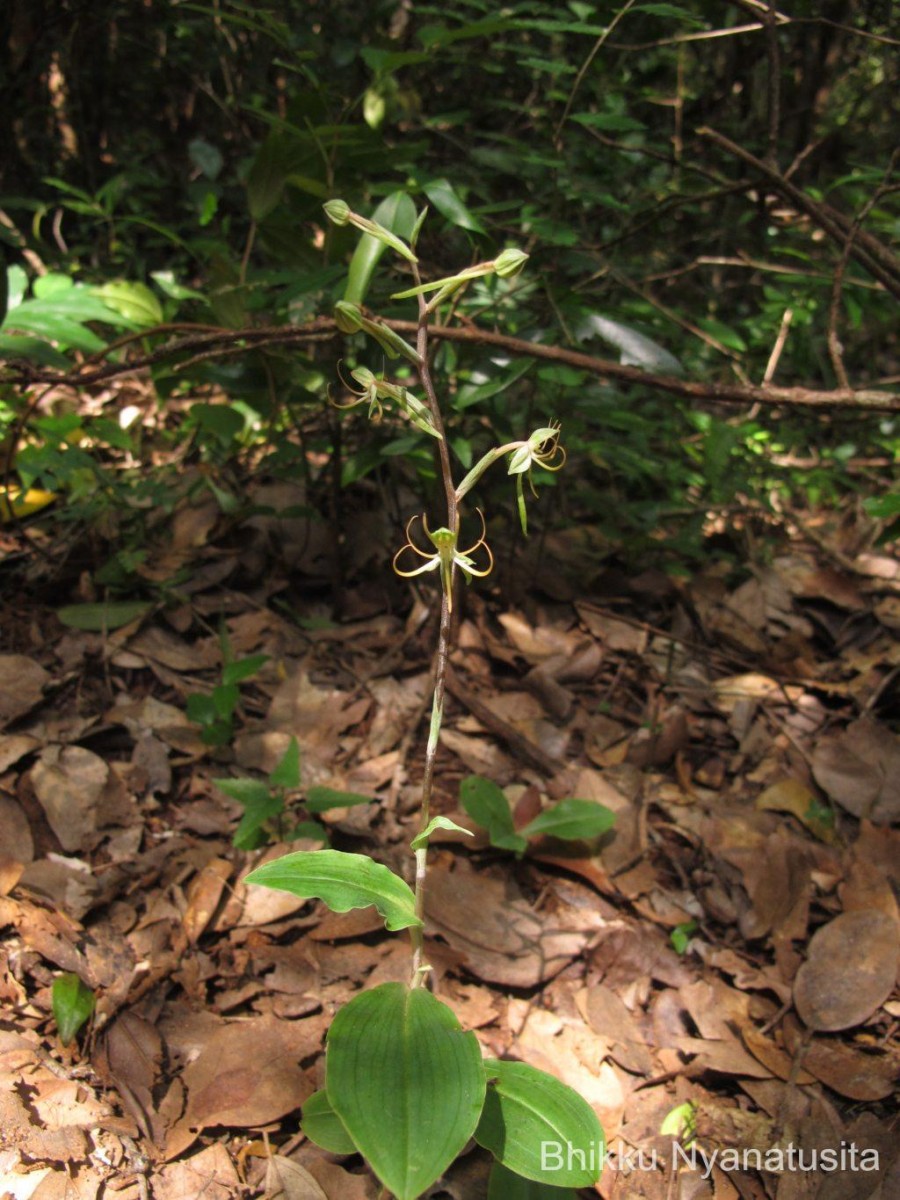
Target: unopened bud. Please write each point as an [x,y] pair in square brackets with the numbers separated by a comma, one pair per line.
[510,262]
[348,317]
[337,211]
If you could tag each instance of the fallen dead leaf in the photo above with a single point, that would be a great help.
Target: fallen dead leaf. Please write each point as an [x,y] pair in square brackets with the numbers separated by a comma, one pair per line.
[852,1072]
[288,1180]
[203,896]
[859,768]
[503,937]
[210,1174]
[22,683]
[245,1075]
[850,971]
[608,1016]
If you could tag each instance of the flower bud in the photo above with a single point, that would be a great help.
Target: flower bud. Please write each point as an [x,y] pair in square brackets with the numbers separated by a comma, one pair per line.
[510,262]
[337,211]
[348,317]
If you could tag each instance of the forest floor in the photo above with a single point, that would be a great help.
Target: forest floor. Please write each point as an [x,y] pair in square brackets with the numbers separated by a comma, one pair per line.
[727,953]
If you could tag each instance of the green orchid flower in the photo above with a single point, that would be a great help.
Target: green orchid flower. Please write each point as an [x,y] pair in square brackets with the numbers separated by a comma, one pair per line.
[447,556]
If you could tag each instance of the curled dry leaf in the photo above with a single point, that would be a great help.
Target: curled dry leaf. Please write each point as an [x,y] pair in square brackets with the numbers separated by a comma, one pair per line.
[850,971]
[289,1180]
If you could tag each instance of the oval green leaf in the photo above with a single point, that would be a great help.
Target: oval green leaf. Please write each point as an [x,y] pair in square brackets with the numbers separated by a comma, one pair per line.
[322,1125]
[321,799]
[72,1004]
[134,301]
[343,881]
[485,803]
[407,1082]
[572,820]
[441,194]
[540,1128]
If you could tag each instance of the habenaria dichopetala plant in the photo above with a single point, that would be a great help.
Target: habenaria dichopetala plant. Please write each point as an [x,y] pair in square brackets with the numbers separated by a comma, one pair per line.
[405,1085]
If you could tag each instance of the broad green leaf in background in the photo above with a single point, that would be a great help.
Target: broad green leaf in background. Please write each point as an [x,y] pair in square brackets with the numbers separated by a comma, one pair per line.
[396,213]
[343,881]
[407,1083]
[440,35]
[534,1125]
[277,158]
[134,301]
[572,820]
[321,799]
[445,199]
[72,1003]
[485,803]
[243,668]
[635,349]
[722,333]
[16,345]
[168,284]
[104,615]
[206,157]
[883,507]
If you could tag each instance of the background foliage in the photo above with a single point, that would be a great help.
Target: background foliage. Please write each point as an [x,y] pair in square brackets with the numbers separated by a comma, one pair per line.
[165,165]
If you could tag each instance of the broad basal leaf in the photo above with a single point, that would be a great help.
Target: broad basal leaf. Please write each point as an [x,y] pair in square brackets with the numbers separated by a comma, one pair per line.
[407,1082]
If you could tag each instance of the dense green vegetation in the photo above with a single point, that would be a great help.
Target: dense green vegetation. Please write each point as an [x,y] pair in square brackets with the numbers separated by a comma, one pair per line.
[706,191]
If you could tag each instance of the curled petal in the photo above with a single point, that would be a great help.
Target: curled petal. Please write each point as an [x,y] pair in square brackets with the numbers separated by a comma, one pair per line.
[547,452]
[432,560]
[410,544]
[431,565]
[465,563]
[481,541]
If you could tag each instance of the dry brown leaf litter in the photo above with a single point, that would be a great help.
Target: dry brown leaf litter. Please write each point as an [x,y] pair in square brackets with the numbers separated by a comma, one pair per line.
[757,793]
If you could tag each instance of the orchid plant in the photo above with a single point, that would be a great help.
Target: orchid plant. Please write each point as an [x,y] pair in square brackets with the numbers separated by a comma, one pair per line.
[405,1085]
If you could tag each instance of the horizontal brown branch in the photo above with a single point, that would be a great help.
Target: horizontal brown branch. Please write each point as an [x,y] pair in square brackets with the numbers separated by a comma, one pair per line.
[231,341]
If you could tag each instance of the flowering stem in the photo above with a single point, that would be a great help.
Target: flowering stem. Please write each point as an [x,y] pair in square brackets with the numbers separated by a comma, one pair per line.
[419,968]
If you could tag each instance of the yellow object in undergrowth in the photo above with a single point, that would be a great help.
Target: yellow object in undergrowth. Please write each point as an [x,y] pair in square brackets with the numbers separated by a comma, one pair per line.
[16,504]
